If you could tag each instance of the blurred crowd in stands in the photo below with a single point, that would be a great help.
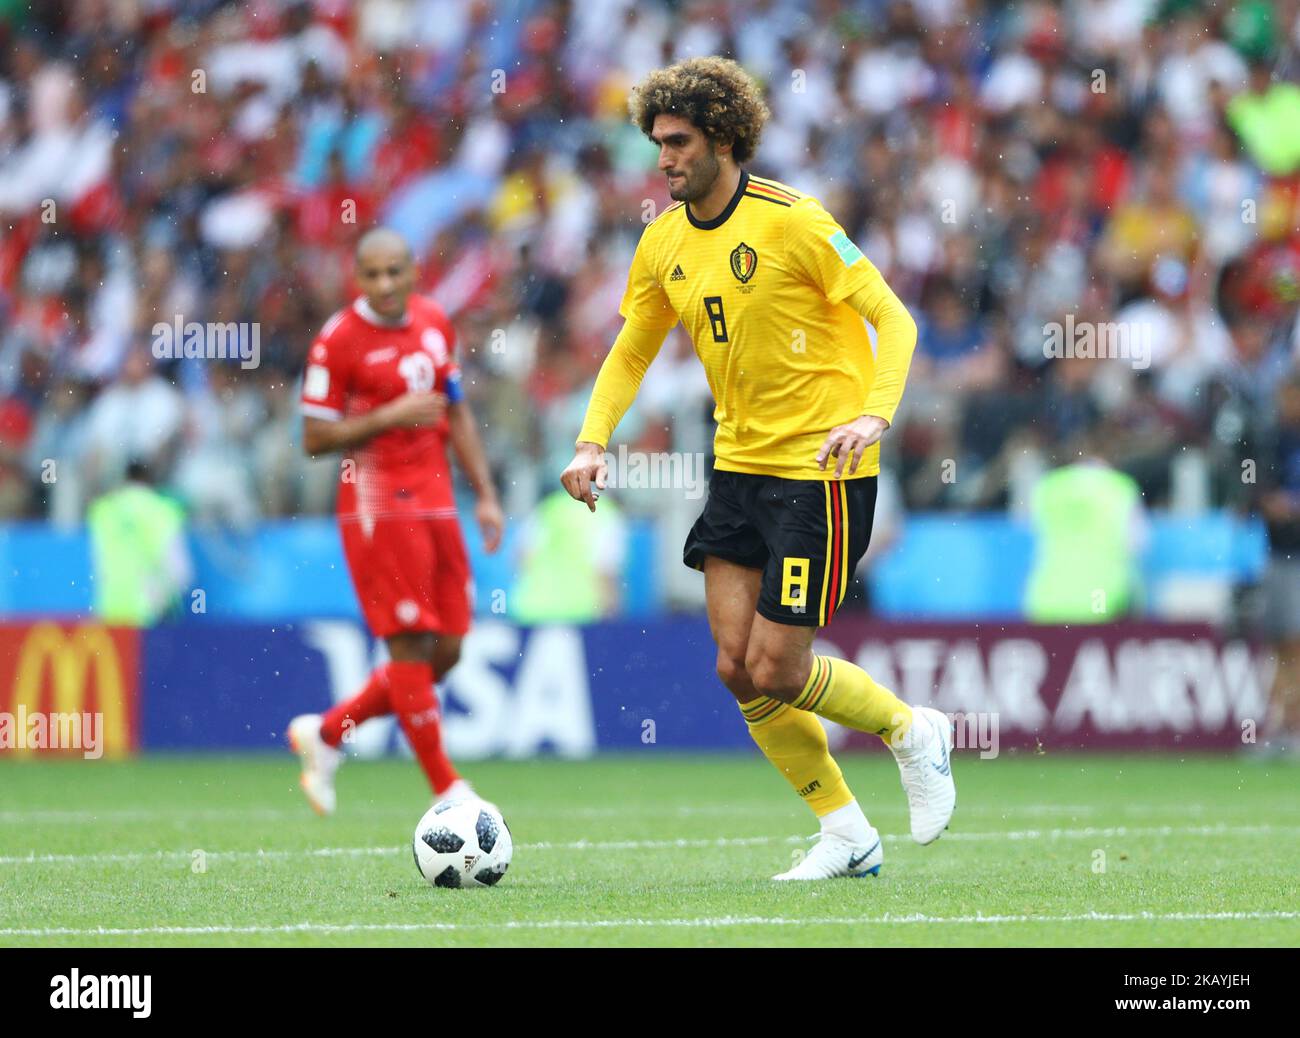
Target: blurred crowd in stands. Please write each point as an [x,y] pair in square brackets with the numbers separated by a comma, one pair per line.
[1126,163]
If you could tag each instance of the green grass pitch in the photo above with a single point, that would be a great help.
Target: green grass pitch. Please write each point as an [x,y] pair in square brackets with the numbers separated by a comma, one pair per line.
[651,849]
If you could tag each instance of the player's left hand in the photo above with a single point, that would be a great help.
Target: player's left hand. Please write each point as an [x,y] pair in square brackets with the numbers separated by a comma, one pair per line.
[491,522]
[851,439]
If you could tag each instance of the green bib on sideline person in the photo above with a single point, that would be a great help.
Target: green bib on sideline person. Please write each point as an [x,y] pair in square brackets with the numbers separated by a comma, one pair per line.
[1084,567]
[560,577]
[132,529]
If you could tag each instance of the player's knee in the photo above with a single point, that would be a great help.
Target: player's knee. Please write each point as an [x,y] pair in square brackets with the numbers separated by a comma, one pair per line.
[411,647]
[446,656]
[771,678]
[732,673]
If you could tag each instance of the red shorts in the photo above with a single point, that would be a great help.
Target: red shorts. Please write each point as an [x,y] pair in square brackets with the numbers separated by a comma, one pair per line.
[411,574]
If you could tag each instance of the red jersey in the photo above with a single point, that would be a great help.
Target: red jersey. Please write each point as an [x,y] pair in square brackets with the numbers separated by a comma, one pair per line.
[359,362]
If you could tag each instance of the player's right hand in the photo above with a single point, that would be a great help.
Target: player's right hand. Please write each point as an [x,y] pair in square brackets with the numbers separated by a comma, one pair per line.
[413,409]
[585,476]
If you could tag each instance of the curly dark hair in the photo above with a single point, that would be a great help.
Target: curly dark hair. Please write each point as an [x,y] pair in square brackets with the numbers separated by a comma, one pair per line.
[714,94]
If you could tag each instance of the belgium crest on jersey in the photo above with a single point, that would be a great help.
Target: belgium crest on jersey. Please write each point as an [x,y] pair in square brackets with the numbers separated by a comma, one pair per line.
[744,261]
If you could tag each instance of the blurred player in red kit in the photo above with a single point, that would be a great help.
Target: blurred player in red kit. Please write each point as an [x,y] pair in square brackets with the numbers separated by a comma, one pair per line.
[383,387]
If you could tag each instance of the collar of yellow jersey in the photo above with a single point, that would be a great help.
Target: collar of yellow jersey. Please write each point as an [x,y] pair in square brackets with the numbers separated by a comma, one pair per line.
[721,218]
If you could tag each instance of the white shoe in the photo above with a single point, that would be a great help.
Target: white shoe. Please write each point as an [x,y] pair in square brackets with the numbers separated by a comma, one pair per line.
[925,767]
[319,762]
[833,856]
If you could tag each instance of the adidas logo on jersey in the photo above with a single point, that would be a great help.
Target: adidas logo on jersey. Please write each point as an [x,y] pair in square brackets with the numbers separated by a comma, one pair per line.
[678,274]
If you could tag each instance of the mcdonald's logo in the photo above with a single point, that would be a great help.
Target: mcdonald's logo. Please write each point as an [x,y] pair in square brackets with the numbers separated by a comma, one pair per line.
[75,669]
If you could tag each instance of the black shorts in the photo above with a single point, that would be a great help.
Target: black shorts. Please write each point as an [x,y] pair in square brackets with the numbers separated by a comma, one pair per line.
[806,535]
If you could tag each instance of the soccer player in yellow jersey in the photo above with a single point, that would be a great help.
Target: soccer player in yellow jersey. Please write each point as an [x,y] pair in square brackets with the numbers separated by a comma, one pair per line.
[773,294]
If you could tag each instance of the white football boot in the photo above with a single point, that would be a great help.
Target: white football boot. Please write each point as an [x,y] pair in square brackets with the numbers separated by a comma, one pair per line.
[925,766]
[319,762]
[833,855]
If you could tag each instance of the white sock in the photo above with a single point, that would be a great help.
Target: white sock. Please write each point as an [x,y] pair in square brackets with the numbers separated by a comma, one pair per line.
[458,790]
[847,821]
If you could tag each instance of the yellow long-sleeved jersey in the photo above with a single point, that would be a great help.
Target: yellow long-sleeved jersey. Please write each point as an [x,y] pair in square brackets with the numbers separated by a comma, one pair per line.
[772,293]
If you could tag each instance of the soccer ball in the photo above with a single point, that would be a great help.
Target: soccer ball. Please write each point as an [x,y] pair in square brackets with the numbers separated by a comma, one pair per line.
[462,843]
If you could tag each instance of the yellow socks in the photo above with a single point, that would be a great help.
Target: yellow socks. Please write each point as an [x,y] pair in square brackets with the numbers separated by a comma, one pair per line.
[847,695]
[795,742]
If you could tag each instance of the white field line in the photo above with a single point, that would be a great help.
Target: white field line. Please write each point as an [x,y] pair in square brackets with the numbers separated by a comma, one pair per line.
[1091,832]
[133,814]
[887,919]
[128,814]
[186,814]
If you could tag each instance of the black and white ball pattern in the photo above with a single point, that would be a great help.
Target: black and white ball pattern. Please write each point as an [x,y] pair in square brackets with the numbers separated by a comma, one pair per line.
[462,843]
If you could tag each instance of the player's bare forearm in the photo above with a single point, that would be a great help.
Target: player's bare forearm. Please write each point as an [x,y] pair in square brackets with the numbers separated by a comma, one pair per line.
[468,446]
[321,436]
